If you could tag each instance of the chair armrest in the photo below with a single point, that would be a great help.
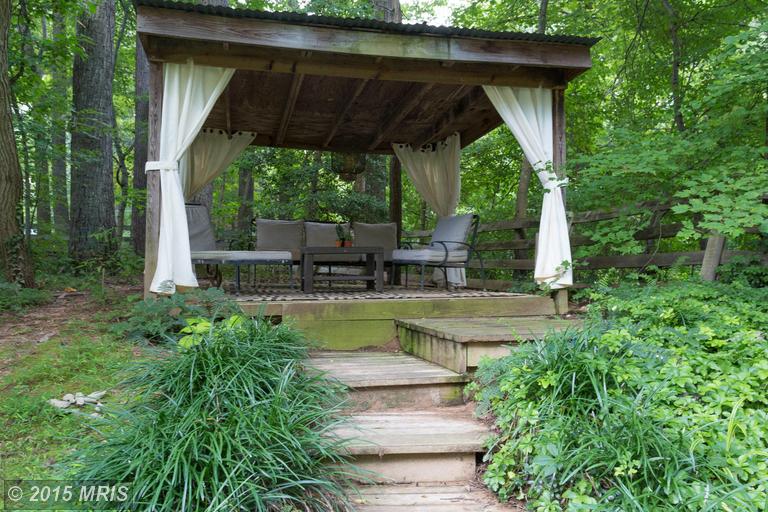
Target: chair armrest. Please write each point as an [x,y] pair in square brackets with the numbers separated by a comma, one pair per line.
[445,249]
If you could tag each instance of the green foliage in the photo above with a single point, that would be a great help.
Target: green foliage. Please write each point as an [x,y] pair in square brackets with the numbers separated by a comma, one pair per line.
[164,318]
[233,422]
[661,408]
[15,298]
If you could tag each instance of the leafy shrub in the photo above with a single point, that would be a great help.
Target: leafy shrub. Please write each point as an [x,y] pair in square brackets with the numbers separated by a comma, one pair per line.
[163,318]
[663,408]
[233,422]
[15,298]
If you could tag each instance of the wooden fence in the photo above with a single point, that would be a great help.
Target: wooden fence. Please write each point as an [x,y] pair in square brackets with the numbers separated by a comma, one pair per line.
[510,245]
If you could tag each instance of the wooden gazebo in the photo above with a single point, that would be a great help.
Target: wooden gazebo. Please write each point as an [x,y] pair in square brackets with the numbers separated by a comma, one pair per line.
[347,85]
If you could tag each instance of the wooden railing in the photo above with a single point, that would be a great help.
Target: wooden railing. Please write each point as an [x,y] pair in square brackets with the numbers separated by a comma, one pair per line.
[510,245]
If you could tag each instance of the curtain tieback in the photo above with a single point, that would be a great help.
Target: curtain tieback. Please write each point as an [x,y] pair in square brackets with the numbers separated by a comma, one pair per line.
[161,165]
[555,183]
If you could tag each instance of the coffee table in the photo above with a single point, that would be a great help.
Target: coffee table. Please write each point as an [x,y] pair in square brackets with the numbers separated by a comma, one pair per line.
[374,266]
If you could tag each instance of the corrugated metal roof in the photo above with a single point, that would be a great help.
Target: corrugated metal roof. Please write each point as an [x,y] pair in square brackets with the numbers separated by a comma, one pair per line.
[368,24]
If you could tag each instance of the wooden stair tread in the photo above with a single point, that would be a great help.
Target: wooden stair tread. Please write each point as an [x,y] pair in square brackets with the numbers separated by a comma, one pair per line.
[447,430]
[478,330]
[379,369]
[428,497]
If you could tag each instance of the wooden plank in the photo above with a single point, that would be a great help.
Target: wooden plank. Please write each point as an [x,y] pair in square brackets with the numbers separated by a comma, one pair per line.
[283,35]
[463,108]
[349,103]
[622,261]
[359,67]
[481,330]
[152,208]
[400,111]
[290,104]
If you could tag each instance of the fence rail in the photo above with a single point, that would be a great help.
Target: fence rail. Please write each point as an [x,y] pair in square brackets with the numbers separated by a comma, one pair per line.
[513,244]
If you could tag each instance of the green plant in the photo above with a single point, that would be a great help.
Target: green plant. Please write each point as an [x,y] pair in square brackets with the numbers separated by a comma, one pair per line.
[661,409]
[163,318]
[15,298]
[232,422]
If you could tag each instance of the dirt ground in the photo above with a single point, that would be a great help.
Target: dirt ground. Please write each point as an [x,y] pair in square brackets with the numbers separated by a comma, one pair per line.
[20,333]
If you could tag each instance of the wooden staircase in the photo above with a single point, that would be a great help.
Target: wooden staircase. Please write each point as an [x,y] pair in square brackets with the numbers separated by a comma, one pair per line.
[409,426]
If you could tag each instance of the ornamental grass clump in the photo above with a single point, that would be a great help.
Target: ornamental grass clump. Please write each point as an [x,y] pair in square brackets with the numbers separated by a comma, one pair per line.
[230,422]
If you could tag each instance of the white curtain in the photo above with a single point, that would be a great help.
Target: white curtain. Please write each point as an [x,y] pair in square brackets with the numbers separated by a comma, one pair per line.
[436,175]
[528,114]
[210,155]
[189,93]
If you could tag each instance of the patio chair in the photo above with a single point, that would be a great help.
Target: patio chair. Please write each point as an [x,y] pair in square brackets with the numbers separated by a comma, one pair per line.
[452,246]
[204,249]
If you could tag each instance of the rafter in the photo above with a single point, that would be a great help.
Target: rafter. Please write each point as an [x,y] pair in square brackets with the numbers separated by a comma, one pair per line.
[444,124]
[293,95]
[343,114]
[415,95]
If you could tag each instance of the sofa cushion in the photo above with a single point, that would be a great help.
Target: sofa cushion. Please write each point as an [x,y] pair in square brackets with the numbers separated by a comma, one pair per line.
[280,235]
[433,255]
[322,234]
[377,235]
[453,229]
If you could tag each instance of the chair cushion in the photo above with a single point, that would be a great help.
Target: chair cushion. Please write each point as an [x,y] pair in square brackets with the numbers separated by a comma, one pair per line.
[280,235]
[428,255]
[245,256]
[201,236]
[322,234]
[453,229]
[377,235]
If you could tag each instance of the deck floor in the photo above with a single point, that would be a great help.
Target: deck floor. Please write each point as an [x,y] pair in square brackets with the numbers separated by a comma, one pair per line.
[335,293]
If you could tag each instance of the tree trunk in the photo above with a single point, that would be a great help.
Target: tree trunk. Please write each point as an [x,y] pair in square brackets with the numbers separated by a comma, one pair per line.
[42,189]
[245,196]
[15,262]
[312,206]
[59,86]
[712,256]
[92,218]
[141,137]
[677,57]
[542,23]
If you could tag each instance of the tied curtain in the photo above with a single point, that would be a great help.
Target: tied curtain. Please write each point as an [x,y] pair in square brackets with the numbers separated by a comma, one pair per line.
[436,174]
[189,93]
[210,155]
[528,114]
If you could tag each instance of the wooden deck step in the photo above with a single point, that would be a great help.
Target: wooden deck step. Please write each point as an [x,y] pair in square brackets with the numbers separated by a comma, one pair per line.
[416,446]
[429,497]
[459,343]
[385,380]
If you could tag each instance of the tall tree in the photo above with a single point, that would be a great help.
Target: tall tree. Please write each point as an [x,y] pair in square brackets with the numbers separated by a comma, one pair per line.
[15,262]
[93,199]
[60,87]
[140,147]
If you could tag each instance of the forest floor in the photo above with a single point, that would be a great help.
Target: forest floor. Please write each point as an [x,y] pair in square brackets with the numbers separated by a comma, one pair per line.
[46,351]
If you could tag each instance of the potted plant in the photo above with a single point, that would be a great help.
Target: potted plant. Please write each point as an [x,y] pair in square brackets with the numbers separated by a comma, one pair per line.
[343,238]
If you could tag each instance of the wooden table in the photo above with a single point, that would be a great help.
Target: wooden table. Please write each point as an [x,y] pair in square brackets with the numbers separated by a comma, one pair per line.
[374,266]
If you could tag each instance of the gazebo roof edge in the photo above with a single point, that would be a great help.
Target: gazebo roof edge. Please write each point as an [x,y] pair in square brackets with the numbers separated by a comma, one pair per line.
[368,24]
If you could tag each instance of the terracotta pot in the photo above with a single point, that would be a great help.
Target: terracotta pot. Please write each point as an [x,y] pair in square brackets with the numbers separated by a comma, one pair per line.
[339,243]
[347,243]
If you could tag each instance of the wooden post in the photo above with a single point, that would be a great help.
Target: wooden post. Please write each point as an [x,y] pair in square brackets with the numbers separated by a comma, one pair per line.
[152,209]
[712,256]
[558,164]
[396,201]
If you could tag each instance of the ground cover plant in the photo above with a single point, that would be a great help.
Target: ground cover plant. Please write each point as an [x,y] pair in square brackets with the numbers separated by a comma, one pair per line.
[230,420]
[659,403]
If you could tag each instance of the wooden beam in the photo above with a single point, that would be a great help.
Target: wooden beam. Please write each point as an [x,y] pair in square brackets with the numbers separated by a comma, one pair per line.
[352,66]
[293,95]
[282,35]
[152,207]
[558,135]
[349,102]
[413,98]
[443,126]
